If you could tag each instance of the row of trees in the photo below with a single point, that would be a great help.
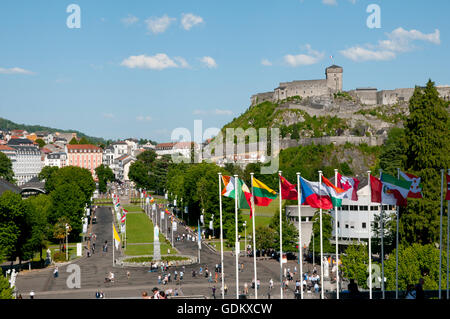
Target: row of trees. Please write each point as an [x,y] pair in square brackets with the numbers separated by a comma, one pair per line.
[27,225]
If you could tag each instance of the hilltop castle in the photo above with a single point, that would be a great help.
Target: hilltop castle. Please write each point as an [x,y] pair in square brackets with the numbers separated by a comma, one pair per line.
[333,84]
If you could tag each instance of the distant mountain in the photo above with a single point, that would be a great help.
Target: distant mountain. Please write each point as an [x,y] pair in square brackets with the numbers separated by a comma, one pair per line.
[9,125]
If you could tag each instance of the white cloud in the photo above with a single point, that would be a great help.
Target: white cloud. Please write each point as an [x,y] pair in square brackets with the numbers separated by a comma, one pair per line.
[182,62]
[209,62]
[159,61]
[312,57]
[129,20]
[15,71]
[266,62]
[159,25]
[142,118]
[398,41]
[330,2]
[188,20]
[212,112]
[223,112]
[108,115]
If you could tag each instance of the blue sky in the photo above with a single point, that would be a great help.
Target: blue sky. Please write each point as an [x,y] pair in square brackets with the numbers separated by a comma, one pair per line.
[142,68]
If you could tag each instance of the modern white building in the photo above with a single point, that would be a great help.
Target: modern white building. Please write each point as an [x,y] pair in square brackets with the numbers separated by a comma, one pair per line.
[28,163]
[307,214]
[182,148]
[354,217]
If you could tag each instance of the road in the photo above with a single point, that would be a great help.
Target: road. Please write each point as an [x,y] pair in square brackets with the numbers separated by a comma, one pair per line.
[95,268]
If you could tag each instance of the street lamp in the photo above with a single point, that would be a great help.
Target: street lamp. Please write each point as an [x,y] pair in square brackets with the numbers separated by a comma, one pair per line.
[67,241]
[245,239]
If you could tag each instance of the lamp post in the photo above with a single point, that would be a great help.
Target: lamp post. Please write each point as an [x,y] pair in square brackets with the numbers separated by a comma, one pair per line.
[67,241]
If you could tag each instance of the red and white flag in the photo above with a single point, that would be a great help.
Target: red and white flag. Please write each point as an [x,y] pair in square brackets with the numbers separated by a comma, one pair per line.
[350,185]
[416,188]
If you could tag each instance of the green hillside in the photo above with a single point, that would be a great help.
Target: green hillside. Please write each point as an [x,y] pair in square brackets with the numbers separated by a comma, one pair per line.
[9,125]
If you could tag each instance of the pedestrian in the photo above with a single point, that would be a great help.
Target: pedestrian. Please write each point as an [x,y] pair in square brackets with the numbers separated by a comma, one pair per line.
[200,270]
[258,283]
[145,295]
[175,274]
[210,277]
[159,280]
[97,294]
[102,295]
[245,289]
[31,294]
[419,290]
[181,275]
[242,267]
[410,292]
[271,284]
[56,272]
[214,291]
[128,275]
[193,273]
[316,288]
[168,277]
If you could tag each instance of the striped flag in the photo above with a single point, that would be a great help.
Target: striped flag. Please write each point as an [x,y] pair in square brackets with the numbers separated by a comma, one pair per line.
[350,185]
[336,194]
[116,238]
[416,188]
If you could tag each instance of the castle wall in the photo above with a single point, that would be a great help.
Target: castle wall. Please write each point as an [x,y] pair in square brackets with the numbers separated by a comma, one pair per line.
[261,97]
[301,88]
[389,97]
[366,96]
[336,140]
[444,92]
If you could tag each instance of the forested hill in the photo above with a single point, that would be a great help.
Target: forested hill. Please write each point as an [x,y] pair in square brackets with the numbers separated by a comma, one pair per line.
[9,125]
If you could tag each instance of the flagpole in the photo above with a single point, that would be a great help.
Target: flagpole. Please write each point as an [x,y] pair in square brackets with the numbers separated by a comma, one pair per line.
[321,237]
[396,245]
[254,237]
[113,243]
[221,234]
[369,227]
[336,238]
[236,193]
[440,235]
[281,240]
[382,243]
[300,248]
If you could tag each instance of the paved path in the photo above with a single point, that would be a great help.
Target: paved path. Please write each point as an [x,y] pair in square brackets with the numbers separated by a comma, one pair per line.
[95,268]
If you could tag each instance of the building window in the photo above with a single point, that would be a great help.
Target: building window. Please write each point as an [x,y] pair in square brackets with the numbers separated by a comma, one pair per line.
[346,226]
[374,208]
[364,225]
[344,207]
[363,208]
[353,207]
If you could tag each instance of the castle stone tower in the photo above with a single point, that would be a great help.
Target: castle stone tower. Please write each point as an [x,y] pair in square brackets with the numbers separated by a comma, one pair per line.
[334,77]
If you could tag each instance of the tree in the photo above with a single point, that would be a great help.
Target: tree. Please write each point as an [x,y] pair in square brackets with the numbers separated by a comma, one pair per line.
[60,231]
[428,148]
[73,141]
[104,175]
[68,202]
[415,262]
[84,141]
[5,291]
[6,171]
[327,228]
[15,227]
[80,177]
[46,172]
[289,232]
[41,228]
[265,238]
[355,263]
[40,142]
[393,152]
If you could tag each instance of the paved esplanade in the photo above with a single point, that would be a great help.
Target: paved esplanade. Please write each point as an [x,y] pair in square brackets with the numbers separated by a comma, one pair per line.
[94,269]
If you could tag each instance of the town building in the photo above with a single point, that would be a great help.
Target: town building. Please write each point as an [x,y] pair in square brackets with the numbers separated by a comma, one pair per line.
[56,159]
[27,164]
[85,156]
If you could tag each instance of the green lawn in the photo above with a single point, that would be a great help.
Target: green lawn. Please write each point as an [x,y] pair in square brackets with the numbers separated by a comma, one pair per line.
[137,250]
[259,221]
[139,228]
[132,208]
[267,211]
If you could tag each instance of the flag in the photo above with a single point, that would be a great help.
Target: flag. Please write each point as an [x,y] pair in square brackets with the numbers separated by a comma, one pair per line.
[263,194]
[244,194]
[447,196]
[314,195]
[336,194]
[116,238]
[416,188]
[394,191]
[350,185]
[375,189]
[288,190]
[122,220]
